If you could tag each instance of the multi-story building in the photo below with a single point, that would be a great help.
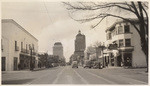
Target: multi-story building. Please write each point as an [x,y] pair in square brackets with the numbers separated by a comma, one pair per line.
[80,46]
[17,45]
[124,46]
[58,50]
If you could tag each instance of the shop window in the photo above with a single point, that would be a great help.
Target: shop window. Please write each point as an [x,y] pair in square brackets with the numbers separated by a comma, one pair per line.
[121,43]
[128,42]
[126,28]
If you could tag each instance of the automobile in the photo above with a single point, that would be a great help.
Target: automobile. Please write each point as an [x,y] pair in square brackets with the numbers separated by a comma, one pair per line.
[97,65]
[87,64]
[54,64]
[74,64]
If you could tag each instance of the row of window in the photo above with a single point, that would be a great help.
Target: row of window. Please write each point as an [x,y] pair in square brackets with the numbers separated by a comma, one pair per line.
[27,46]
[120,30]
[123,42]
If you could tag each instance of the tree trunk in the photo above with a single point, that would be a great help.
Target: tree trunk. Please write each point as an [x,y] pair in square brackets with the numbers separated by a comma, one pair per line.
[143,29]
[144,45]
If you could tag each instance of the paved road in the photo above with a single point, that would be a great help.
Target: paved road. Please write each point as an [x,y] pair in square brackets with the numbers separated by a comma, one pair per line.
[68,75]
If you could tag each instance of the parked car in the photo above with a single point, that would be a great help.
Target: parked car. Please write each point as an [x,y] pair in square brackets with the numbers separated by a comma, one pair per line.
[55,64]
[87,64]
[74,64]
[97,65]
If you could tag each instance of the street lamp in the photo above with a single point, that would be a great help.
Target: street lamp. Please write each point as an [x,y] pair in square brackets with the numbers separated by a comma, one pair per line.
[31,59]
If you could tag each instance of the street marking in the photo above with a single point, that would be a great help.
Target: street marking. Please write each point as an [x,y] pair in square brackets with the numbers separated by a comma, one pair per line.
[101,78]
[133,81]
[58,76]
[130,81]
[38,78]
[82,79]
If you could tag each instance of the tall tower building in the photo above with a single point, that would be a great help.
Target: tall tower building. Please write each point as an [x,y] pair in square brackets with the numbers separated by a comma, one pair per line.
[58,50]
[80,46]
[80,42]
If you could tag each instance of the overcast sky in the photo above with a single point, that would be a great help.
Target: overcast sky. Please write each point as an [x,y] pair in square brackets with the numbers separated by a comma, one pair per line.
[49,22]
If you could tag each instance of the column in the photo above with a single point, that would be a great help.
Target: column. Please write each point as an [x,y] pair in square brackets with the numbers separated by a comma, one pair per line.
[122,57]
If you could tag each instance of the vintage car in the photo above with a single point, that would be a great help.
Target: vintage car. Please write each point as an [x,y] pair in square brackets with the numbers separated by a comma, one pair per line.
[74,64]
[87,64]
[97,65]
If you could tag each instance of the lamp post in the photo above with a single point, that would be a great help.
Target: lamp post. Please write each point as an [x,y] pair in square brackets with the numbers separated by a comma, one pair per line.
[31,59]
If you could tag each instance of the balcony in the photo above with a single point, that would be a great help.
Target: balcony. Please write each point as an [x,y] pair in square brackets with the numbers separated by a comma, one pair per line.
[16,48]
[126,48]
[25,51]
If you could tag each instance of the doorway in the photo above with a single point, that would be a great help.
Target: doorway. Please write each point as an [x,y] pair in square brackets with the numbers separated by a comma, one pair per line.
[15,63]
[128,59]
[3,64]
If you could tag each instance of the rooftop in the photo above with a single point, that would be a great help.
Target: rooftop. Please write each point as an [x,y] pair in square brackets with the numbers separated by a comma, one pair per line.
[19,26]
[118,22]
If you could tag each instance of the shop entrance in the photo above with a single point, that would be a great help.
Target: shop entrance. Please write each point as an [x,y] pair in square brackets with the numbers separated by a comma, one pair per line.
[128,59]
[119,60]
[15,63]
[24,62]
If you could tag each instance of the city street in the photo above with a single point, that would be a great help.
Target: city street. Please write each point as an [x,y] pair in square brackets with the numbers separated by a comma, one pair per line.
[68,75]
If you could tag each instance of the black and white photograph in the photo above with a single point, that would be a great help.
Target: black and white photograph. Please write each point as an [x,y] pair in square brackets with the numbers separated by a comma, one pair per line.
[74,42]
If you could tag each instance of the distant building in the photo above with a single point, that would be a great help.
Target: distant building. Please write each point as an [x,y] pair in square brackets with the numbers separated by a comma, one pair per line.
[15,47]
[128,46]
[80,46]
[58,50]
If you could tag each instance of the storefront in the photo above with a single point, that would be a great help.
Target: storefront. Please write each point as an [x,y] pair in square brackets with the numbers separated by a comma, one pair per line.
[25,62]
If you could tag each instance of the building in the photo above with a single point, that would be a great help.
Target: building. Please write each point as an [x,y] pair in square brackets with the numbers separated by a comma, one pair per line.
[80,46]
[58,50]
[124,46]
[16,47]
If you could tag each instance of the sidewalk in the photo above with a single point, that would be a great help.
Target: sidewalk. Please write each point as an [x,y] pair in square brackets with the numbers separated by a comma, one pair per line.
[135,70]
[26,70]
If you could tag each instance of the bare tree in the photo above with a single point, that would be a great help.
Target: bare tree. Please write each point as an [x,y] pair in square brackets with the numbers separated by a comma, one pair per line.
[138,9]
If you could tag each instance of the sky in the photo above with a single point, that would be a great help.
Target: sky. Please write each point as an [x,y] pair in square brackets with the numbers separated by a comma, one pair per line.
[49,22]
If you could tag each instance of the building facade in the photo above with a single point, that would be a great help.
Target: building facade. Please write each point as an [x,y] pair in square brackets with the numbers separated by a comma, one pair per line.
[80,45]
[58,50]
[124,46]
[16,47]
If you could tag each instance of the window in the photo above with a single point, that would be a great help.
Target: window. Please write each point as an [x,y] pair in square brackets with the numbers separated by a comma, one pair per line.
[116,32]
[108,36]
[127,42]
[120,43]
[120,30]
[15,45]
[21,45]
[26,47]
[2,45]
[126,29]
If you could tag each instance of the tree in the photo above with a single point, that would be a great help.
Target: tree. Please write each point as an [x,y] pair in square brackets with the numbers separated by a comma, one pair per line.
[138,9]
[43,59]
